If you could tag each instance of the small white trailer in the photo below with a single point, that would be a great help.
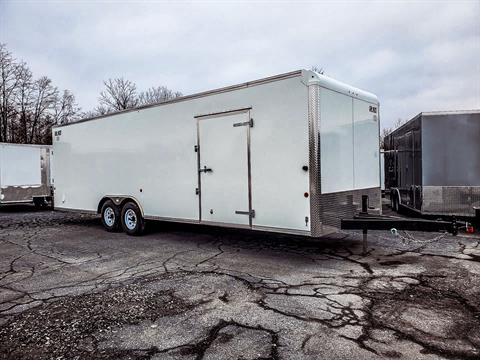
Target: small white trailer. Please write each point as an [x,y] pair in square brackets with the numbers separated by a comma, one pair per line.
[25,174]
[291,153]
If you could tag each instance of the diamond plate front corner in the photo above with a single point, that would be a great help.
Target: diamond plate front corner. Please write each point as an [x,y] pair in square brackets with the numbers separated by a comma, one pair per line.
[316,228]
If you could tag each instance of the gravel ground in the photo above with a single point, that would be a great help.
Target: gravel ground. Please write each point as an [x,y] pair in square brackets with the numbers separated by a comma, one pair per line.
[70,290]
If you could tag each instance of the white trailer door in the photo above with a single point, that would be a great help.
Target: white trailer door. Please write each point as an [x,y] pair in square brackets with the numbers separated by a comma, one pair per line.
[224,168]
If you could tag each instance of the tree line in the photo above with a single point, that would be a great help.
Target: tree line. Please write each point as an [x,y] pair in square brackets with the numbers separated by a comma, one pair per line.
[120,94]
[30,106]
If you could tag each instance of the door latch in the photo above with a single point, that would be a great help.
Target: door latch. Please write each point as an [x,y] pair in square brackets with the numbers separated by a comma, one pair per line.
[205,170]
[246,123]
[249,213]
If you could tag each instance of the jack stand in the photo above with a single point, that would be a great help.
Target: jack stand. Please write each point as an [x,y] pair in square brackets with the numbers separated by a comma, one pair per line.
[365,241]
[365,231]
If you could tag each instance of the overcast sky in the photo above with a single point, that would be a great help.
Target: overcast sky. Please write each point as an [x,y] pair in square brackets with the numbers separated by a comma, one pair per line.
[415,56]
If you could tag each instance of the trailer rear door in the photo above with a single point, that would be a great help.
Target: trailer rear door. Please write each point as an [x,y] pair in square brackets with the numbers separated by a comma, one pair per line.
[224,168]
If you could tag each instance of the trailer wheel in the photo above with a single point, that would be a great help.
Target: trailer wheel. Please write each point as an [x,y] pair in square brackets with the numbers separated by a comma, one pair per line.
[132,220]
[395,200]
[392,200]
[110,216]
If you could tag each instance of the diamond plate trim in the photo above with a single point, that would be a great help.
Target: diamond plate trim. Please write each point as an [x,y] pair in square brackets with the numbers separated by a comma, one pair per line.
[316,227]
[450,200]
[346,204]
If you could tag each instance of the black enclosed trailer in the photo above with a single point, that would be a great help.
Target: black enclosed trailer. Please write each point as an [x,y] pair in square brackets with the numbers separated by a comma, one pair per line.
[432,163]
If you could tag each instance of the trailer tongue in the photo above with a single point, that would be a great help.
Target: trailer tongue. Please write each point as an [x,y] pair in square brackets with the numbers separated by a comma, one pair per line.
[365,221]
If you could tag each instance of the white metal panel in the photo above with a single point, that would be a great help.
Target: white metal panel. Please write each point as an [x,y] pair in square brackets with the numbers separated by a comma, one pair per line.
[21,166]
[336,142]
[366,145]
[223,150]
[140,154]
[149,154]
[279,150]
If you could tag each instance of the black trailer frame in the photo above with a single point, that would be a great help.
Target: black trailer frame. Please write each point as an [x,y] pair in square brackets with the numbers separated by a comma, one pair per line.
[365,222]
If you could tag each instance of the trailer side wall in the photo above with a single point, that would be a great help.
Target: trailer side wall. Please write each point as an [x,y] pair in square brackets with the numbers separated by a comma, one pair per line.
[451,145]
[24,172]
[149,154]
[451,163]
[433,163]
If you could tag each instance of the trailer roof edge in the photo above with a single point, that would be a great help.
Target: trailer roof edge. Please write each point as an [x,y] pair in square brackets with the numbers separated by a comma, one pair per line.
[194,96]
[20,144]
[436,113]
[345,89]
[450,112]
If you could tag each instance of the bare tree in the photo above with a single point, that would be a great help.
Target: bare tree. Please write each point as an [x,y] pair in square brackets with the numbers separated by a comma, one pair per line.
[97,111]
[399,123]
[8,84]
[65,109]
[29,107]
[119,94]
[385,132]
[45,97]
[24,100]
[157,95]
[101,110]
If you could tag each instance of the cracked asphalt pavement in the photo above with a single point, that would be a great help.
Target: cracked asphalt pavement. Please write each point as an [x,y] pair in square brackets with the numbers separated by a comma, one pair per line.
[70,290]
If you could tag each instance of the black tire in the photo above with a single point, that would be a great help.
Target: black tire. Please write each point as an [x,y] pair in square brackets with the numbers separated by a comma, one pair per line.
[39,203]
[110,216]
[132,220]
[395,203]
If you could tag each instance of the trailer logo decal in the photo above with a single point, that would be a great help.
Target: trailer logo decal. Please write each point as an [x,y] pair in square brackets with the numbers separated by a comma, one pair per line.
[57,134]
[373,109]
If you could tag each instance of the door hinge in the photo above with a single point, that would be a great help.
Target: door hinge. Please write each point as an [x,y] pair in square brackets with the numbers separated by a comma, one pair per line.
[195,148]
[246,123]
[250,213]
[197,191]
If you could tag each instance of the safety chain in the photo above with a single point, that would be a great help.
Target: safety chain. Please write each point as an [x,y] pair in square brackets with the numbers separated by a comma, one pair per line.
[406,238]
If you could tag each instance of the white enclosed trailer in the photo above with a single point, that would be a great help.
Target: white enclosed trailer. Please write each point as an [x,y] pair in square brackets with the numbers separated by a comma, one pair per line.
[291,153]
[24,174]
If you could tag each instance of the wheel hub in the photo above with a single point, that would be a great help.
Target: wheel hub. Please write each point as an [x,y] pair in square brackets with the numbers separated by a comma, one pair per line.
[130,219]
[109,216]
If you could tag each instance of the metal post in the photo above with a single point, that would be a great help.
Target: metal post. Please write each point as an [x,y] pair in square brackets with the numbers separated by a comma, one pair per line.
[364,204]
[477,216]
[365,230]
[365,240]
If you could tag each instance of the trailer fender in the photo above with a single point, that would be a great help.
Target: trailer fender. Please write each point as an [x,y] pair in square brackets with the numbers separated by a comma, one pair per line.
[119,200]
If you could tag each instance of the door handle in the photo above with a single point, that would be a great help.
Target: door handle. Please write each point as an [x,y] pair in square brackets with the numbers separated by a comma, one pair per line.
[250,213]
[205,170]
